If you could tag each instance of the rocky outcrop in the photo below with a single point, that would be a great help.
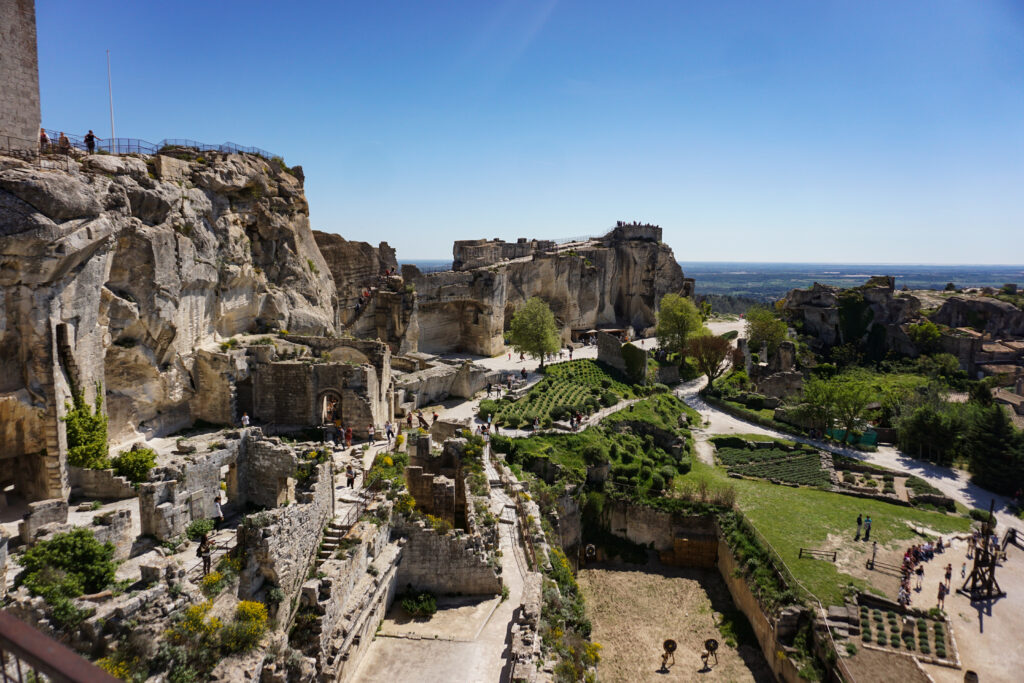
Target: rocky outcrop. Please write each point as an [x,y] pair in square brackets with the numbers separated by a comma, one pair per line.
[613,281]
[999,319]
[113,273]
[872,315]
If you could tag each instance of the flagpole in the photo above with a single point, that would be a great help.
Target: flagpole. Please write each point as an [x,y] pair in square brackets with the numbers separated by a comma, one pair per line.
[110,91]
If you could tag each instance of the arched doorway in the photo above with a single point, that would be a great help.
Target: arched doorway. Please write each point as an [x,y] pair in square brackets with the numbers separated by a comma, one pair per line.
[329,407]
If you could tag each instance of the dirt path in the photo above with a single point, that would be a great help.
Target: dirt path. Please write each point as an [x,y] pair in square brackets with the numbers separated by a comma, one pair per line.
[635,609]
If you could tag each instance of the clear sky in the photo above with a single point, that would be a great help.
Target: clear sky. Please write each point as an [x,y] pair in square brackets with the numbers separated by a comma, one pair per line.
[751,131]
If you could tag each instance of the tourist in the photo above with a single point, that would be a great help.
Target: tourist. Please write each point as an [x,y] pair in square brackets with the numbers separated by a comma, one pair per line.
[205,551]
[920,577]
[44,140]
[522,357]
[371,434]
[523,373]
[63,144]
[245,419]
[570,353]
[348,437]
[434,422]
[90,142]
[218,513]
[408,419]
[389,431]
[860,522]
[942,595]
[949,574]
[350,476]
[963,570]
[867,529]
[488,390]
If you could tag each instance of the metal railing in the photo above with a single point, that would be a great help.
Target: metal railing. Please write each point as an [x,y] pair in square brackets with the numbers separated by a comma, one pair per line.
[30,655]
[29,152]
[137,146]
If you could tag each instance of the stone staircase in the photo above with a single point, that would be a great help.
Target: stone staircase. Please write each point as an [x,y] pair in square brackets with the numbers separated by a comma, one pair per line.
[333,535]
[359,313]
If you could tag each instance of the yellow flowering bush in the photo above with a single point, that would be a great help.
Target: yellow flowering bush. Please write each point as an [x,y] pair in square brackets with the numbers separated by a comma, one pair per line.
[387,461]
[118,667]
[247,629]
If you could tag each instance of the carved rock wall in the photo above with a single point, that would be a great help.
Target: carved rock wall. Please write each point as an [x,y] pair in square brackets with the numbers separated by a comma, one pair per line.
[136,262]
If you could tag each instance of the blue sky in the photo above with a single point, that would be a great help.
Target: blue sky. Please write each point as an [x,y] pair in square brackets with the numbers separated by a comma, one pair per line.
[763,131]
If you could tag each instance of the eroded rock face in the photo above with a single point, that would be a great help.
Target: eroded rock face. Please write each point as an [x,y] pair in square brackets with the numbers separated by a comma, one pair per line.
[614,281]
[138,262]
[871,313]
[998,318]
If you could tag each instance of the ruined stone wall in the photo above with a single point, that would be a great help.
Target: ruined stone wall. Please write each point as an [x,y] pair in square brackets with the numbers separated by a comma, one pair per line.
[103,484]
[649,527]
[470,254]
[183,492]
[19,76]
[764,627]
[609,350]
[115,527]
[280,544]
[452,563]
[266,473]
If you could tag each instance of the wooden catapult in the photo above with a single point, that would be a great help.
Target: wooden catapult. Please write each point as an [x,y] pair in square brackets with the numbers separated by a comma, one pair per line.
[981,583]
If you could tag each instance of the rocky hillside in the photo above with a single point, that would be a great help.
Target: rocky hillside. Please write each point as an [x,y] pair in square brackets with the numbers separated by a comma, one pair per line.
[115,270]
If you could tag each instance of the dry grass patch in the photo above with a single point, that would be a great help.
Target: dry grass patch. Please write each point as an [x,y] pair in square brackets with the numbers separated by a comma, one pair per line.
[633,611]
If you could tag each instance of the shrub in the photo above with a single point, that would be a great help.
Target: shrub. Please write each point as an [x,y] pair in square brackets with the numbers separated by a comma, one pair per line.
[86,432]
[86,563]
[196,529]
[609,398]
[248,627]
[982,516]
[488,407]
[419,605]
[512,420]
[657,482]
[135,464]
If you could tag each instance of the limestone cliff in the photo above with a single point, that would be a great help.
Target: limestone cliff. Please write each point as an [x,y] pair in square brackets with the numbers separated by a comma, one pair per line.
[999,319]
[114,271]
[614,281]
[872,315]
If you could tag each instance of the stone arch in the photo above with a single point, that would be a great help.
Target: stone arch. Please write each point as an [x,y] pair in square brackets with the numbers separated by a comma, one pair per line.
[328,406]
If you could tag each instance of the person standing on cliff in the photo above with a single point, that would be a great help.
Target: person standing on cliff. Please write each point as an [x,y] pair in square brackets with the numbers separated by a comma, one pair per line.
[90,142]
[44,140]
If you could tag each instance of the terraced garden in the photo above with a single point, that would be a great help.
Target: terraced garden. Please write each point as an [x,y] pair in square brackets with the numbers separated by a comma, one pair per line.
[778,461]
[885,628]
[582,386]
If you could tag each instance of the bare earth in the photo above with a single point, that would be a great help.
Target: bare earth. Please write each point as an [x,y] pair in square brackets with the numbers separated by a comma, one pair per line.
[634,610]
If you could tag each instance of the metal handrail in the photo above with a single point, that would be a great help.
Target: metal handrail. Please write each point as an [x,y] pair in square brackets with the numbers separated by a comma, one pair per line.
[137,146]
[20,643]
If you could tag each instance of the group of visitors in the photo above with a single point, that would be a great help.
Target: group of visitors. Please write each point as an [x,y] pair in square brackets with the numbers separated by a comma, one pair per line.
[64,144]
[913,566]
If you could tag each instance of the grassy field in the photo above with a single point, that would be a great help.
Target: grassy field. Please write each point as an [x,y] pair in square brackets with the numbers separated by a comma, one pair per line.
[791,518]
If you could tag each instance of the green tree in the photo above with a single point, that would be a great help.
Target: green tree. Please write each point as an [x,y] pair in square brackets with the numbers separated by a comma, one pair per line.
[851,400]
[763,327]
[87,432]
[708,352]
[932,431]
[533,330]
[925,335]
[820,401]
[678,318]
[85,561]
[996,451]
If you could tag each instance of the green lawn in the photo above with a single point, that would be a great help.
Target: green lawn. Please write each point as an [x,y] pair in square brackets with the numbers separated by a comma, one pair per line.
[791,518]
